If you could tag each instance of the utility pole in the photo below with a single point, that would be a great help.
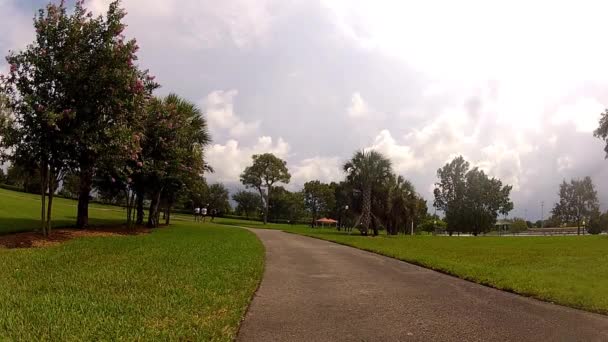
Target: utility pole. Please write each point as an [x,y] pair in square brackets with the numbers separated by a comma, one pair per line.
[542,214]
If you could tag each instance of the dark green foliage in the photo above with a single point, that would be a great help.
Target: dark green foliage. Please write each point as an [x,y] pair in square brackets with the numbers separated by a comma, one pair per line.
[598,224]
[70,186]
[577,202]
[248,204]
[286,206]
[602,131]
[266,171]
[470,199]
[24,178]
[518,226]
[217,198]
[431,224]
[319,199]
[367,172]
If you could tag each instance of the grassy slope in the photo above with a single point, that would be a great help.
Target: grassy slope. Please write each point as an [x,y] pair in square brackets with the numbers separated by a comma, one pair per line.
[21,212]
[571,270]
[188,282]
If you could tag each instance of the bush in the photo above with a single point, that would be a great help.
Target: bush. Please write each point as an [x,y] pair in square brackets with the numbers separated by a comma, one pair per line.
[431,225]
[518,226]
[598,224]
[12,187]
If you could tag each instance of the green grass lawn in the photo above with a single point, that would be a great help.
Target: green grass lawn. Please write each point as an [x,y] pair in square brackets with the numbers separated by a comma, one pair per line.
[21,212]
[188,282]
[569,270]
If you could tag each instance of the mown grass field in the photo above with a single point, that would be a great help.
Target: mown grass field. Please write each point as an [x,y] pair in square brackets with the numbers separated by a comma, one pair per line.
[568,270]
[188,282]
[21,212]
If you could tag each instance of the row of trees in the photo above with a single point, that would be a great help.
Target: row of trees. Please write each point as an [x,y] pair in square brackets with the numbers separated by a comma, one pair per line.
[75,103]
[372,197]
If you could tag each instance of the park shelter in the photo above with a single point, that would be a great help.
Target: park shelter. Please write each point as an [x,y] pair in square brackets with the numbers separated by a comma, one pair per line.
[323,221]
[502,225]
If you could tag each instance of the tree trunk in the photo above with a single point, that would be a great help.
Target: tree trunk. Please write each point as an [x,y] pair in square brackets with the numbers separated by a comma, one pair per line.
[153,213]
[43,184]
[43,198]
[129,196]
[140,208]
[51,182]
[168,214]
[86,181]
[266,204]
[366,210]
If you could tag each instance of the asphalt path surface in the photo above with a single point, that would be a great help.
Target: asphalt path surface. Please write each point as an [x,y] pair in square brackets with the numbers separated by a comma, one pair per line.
[314,290]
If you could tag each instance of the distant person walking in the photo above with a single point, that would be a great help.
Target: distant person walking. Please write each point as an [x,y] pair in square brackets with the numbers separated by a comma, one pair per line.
[204,213]
[213,214]
[197,214]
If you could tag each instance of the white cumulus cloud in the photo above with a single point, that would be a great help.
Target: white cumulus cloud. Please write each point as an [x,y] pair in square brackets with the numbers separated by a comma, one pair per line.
[219,108]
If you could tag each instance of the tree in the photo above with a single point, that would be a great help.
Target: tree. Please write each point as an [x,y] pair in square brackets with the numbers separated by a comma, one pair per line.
[70,186]
[365,171]
[248,203]
[598,223]
[266,171]
[105,92]
[2,176]
[175,135]
[470,199]
[602,131]
[485,197]
[519,225]
[404,207]
[430,223]
[218,198]
[286,205]
[37,131]
[450,193]
[577,202]
[344,206]
[318,199]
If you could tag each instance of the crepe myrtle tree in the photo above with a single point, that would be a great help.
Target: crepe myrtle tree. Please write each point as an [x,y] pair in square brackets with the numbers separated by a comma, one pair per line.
[266,171]
[101,91]
[38,116]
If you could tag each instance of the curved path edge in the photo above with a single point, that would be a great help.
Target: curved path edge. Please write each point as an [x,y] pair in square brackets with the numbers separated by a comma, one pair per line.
[317,290]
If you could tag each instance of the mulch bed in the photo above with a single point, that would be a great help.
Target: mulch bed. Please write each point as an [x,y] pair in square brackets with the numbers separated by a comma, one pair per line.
[57,236]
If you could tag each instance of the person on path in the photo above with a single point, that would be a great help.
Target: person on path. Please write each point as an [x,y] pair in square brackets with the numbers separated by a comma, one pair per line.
[197,213]
[204,213]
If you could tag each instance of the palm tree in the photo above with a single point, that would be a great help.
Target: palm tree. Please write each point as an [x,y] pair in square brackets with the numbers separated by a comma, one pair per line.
[401,204]
[175,137]
[365,171]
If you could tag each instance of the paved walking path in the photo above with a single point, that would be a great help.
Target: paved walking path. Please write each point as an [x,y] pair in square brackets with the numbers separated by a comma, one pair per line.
[315,290]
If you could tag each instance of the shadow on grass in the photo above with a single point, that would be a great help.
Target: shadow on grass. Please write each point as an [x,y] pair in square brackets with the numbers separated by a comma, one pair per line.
[15,225]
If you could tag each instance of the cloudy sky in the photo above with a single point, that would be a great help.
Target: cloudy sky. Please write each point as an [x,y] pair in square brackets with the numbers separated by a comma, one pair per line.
[516,87]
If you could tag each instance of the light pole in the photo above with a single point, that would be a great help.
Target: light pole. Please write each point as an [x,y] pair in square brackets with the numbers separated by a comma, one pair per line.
[542,214]
[345,210]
